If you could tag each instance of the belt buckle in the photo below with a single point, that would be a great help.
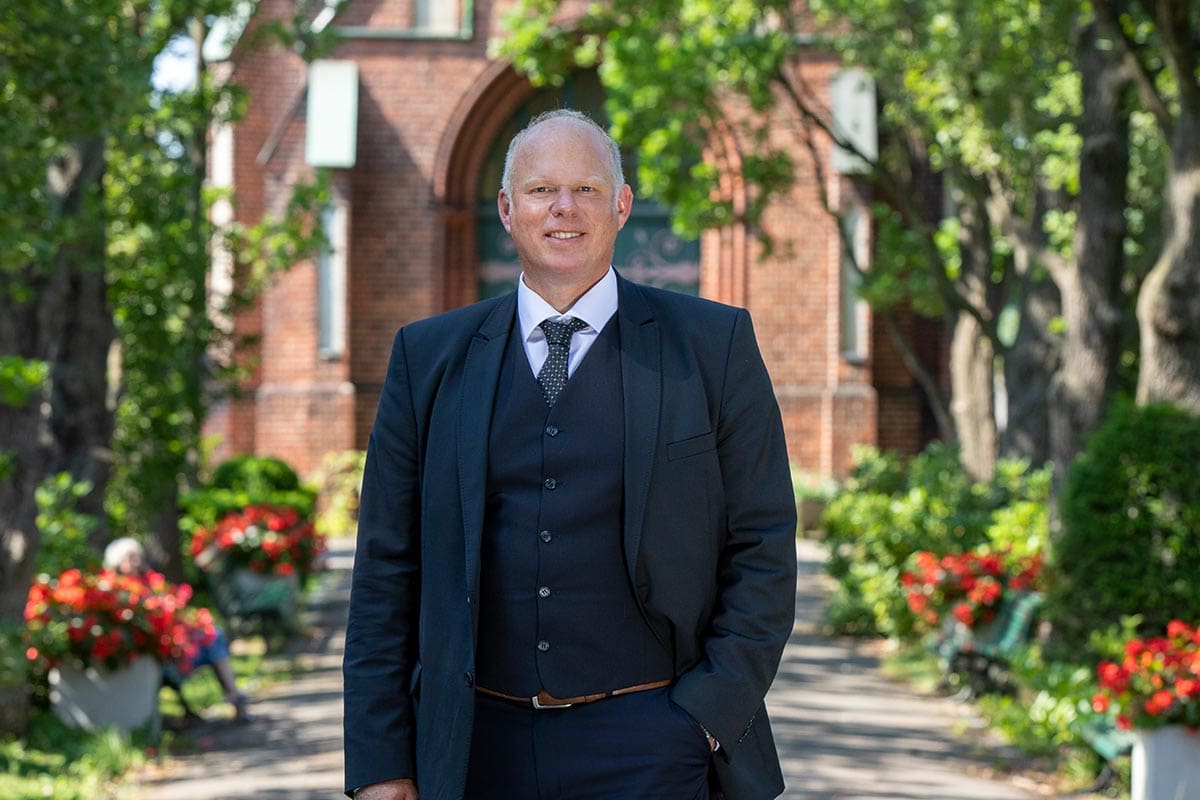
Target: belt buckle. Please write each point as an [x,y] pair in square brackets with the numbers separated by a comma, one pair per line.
[537,704]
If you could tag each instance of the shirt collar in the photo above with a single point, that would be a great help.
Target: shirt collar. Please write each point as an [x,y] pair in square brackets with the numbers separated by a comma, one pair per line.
[595,307]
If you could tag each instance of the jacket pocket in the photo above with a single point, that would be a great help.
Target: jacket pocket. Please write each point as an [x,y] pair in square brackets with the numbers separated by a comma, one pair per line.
[692,446]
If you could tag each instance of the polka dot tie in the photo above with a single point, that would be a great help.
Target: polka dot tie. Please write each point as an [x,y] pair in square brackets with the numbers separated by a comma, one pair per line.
[553,375]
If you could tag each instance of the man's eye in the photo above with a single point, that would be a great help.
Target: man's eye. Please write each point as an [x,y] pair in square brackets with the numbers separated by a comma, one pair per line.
[540,190]
[586,189]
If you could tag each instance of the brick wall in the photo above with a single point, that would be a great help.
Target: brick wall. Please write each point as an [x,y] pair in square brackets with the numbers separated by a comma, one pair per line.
[427,111]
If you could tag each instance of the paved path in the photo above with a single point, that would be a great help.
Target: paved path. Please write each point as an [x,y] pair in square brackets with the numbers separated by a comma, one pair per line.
[845,733]
[292,750]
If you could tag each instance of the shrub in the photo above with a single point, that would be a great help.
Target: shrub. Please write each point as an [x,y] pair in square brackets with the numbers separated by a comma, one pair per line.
[338,482]
[255,475]
[1130,543]
[889,511]
[245,481]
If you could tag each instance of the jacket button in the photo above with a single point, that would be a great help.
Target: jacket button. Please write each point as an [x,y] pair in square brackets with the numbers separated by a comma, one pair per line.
[550,483]
[552,430]
[543,646]
[469,679]
[544,592]
[545,536]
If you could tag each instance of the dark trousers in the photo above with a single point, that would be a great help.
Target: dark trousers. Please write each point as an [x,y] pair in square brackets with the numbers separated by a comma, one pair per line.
[639,746]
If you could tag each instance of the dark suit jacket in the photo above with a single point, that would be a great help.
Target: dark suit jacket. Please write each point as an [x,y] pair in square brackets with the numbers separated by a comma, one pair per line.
[709,534]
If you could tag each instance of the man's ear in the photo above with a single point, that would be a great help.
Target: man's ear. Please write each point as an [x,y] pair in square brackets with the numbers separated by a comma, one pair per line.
[624,205]
[504,206]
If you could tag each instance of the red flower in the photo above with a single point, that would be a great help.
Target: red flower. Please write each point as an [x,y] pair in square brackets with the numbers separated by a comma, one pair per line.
[263,538]
[1159,702]
[105,620]
[967,586]
[1158,680]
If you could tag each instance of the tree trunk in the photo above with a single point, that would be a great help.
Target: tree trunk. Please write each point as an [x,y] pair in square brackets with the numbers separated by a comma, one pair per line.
[1168,308]
[18,535]
[1091,291]
[57,325]
[1029,368]
[82,404]
[972,387]
[972,353]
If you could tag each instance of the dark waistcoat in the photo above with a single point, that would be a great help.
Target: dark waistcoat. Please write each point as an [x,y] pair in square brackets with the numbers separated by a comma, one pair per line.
[557,611]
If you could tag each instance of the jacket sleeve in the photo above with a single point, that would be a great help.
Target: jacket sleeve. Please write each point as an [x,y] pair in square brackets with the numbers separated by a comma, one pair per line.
[381,637]
[754,607]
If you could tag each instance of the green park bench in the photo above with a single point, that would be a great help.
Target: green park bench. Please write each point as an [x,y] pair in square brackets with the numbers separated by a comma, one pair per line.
[252,603]
[981,655]
[1109,742]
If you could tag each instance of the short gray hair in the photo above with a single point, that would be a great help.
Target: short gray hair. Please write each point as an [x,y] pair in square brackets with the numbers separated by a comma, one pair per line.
[614,150]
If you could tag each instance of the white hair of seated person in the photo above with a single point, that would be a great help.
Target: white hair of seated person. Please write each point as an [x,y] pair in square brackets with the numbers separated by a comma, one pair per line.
[119,552]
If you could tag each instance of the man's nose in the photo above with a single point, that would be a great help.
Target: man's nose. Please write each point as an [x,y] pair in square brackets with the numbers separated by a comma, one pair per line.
[564,202]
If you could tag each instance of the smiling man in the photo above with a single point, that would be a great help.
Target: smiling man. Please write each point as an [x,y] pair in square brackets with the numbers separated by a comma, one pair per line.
[576,558]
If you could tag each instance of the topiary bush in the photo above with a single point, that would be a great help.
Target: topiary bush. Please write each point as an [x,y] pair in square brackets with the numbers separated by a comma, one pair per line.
[255,475]
[1130,543]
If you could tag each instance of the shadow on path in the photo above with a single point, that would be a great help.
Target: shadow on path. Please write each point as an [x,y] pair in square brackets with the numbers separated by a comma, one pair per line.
[292,748]
[844,731]
[847,733]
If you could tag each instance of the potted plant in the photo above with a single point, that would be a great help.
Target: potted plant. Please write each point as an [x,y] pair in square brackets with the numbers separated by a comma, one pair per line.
[102,636]
[1154,690]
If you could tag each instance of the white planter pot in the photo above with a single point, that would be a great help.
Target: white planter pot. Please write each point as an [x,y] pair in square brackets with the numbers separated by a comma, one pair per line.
[92,698]
[1166,764]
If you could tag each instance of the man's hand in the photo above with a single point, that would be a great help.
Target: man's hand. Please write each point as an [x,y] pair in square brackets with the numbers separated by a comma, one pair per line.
[404,789]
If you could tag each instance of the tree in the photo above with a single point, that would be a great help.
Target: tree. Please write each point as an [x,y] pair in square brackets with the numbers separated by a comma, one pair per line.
[998,98]
[105,239]
[66,71]
[1160,41]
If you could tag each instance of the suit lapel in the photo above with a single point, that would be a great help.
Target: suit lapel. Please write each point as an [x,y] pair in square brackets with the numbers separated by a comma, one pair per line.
[641,373]
[481,372]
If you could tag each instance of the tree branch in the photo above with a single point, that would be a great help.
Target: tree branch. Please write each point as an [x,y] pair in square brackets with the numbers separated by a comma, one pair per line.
[1143,76]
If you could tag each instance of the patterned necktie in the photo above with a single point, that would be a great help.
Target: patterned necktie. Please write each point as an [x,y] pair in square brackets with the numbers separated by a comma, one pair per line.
[553,375]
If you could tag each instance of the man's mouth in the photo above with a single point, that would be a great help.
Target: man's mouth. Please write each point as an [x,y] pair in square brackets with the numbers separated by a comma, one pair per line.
[564,235]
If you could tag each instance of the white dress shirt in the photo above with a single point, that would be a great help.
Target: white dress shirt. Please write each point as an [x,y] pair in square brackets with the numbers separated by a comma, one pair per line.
[595,307]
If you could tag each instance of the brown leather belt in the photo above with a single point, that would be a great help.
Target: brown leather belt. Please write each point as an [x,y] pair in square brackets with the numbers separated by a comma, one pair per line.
[543,699]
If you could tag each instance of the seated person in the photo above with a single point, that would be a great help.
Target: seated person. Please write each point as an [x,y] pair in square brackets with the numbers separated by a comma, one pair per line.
[127,557]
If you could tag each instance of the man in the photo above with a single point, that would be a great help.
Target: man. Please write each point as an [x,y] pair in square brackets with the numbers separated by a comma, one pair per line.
[576,558]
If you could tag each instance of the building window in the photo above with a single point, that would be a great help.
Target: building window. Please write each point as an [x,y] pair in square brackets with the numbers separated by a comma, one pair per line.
[854,313]
[438,17]
[331,283]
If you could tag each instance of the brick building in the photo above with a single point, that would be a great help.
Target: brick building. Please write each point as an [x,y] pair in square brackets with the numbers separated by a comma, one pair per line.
[413,231]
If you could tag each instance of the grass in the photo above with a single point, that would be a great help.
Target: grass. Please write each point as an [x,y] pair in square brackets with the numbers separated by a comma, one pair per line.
[63,763]
[59,762]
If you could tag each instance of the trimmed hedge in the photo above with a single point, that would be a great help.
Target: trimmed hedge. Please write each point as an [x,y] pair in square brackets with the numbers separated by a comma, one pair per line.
[1131,527]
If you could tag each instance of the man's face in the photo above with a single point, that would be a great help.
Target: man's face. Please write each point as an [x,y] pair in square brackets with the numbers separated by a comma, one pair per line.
[564,212]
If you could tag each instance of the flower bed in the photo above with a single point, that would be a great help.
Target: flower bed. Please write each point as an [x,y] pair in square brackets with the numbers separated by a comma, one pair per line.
[106,620]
